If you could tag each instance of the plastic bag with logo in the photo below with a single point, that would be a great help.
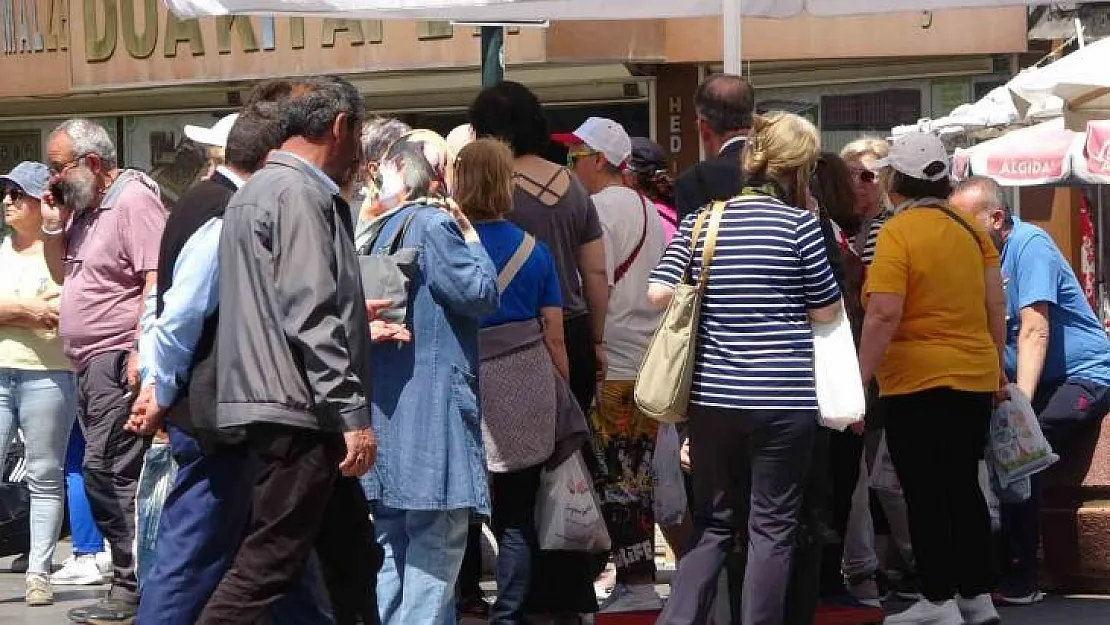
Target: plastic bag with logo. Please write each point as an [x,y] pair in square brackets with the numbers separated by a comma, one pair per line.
[669,503]
[1017,448]
[568,512]
[155,483]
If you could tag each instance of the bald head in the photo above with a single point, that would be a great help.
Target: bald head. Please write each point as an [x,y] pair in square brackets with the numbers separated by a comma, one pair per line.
[724,105]
[984,199]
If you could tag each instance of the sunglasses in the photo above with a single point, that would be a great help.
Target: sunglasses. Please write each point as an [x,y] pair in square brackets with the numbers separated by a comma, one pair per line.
[15,194]
[865,175]
[574,157]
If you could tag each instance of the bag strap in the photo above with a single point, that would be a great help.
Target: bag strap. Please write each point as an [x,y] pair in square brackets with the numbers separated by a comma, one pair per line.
[619,272]
[516,262]
[718,212]
[956,218]
[695,234]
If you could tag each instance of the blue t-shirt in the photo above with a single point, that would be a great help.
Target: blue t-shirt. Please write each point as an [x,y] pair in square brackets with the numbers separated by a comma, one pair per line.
[755,347]
[536,286]
[1033,271]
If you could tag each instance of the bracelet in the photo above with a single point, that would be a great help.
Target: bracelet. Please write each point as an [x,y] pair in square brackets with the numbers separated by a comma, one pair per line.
[52,233]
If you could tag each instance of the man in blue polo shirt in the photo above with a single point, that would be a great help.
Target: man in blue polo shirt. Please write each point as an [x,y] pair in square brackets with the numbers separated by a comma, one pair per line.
[1056,351]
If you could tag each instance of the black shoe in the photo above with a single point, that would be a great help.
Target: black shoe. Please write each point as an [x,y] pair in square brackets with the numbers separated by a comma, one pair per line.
[19,565]
[105,612]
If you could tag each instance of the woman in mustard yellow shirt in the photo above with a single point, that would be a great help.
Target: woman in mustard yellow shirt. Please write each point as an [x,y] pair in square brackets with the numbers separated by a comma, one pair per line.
[36,387]
[932,336]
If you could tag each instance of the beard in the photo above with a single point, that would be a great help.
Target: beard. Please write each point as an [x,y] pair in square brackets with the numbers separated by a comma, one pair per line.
[77,192]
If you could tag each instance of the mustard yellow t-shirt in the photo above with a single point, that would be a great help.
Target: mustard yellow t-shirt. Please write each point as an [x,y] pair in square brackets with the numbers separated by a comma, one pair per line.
[944,338]
[26,276]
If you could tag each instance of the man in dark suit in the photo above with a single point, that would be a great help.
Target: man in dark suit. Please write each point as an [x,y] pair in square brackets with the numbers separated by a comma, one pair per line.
[723,104]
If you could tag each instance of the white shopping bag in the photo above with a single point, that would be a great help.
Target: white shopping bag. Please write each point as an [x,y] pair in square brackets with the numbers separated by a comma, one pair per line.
[568,513]
[1017,448]
[669,496]
[840,394]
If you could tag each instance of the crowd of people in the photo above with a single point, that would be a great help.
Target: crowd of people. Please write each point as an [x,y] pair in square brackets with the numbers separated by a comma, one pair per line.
[363,341]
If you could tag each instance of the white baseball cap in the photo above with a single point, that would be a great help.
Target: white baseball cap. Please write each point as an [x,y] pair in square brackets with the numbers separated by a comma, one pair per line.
[919,155]
[460,137]
[607,137]
[216,135]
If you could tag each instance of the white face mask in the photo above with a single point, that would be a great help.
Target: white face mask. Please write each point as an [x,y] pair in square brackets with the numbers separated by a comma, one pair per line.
[392,192]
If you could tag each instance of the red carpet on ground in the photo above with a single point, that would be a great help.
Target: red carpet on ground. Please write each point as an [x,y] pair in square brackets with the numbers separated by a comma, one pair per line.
[826,615]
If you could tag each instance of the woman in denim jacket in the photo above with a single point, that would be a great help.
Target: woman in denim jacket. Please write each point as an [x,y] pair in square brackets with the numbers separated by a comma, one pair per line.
[430,475]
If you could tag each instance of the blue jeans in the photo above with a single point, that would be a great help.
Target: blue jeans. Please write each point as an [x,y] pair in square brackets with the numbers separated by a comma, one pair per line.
[423,553]
[87,538]
[41,404]
[203,522]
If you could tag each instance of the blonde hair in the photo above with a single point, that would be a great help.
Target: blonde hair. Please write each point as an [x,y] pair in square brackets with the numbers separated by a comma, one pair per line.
[780,144]
[866,146]
[484,179]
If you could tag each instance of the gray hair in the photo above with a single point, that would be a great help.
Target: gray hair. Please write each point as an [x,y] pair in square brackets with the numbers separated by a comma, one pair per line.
[317,102]
[89,137]
[992,192]
[380,133]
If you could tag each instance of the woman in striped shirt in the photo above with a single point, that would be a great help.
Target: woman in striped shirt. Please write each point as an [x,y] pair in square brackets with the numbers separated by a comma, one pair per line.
[753,406]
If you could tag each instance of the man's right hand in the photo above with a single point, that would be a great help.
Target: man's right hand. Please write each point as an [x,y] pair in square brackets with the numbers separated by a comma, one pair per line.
[362,450]
[54,216]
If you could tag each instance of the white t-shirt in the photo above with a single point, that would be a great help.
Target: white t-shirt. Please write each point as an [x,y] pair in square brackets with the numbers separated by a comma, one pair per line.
[26,276]
[632,319]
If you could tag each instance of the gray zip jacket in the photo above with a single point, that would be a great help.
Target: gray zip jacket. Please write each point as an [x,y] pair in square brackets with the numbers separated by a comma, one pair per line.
[293,340]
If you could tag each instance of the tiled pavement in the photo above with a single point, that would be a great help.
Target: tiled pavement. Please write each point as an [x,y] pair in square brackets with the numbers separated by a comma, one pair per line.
[1080,610]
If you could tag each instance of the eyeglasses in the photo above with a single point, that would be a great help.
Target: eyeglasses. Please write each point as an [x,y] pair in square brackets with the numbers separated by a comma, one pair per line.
[574,157]
[15,194]
[58,170]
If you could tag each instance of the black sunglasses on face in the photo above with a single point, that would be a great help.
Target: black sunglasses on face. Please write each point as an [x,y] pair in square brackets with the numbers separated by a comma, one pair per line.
[865,175]
[15,194]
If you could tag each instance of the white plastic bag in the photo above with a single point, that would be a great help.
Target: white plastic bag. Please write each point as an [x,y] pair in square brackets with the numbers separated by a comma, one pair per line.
[568,513]
[155,483]
[669,497]
[1017,448]
[840,394]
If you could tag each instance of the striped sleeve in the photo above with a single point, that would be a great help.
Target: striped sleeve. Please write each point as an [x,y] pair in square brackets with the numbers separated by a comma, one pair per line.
[818,279]
[676,257]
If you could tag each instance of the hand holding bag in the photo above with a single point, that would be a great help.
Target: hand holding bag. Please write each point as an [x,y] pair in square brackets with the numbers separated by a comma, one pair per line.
[840,396]
[662,389]
[1017,448]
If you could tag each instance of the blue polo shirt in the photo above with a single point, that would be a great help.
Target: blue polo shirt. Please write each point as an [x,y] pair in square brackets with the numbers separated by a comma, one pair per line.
[1033,271]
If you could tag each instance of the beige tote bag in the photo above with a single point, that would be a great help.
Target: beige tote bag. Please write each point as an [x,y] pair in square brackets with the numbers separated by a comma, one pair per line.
[662,389]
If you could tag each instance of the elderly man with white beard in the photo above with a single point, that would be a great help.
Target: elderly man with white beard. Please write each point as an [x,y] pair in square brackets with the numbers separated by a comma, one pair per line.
[102,226]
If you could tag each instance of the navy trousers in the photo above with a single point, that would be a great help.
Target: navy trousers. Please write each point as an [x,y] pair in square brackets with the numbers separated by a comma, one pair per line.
[202,525]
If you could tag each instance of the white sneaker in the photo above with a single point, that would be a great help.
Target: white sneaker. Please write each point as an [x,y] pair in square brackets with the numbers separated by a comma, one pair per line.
[104,563]
[632,598]
[926,612]
[978,610]
[78,571]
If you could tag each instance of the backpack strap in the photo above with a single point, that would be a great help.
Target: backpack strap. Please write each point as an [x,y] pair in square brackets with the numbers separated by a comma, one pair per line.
[516,262]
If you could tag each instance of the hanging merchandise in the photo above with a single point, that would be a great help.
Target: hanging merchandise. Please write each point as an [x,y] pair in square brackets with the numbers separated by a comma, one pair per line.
[1087,263]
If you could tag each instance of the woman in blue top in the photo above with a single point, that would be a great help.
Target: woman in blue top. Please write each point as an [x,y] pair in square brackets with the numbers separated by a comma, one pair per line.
[524,374]
[753,403]
[430,474]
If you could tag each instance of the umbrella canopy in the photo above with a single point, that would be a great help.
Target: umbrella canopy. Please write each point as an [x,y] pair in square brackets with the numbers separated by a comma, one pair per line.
[995,110]
[1048,153]
[1079,82]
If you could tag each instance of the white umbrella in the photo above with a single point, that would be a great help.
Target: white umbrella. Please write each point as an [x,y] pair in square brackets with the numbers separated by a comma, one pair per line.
[994,110]
[541,10]
[1079,82]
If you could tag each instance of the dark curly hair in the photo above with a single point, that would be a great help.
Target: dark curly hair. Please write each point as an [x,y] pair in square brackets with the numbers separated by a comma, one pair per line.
[832,186]
[511,112]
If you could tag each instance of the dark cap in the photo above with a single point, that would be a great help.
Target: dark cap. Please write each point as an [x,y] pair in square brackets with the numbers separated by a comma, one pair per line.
[647,156]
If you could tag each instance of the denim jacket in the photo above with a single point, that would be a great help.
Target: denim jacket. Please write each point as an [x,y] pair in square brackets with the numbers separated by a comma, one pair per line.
[424,409]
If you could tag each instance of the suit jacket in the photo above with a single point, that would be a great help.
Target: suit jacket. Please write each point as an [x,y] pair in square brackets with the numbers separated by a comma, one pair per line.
[714,179]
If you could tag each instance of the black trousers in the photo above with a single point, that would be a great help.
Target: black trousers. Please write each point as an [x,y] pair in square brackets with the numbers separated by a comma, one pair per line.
[730,450]
[113,462]
[350,557]
[936,439]
[579,337]
[289,504]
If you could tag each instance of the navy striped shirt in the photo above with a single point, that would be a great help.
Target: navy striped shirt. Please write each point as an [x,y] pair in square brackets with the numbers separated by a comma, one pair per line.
[755,348]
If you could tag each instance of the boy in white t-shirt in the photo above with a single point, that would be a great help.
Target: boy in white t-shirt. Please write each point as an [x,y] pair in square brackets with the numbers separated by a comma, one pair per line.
[633,237]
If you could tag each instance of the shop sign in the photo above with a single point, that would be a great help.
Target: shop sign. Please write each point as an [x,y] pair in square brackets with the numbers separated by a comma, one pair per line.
[32,26]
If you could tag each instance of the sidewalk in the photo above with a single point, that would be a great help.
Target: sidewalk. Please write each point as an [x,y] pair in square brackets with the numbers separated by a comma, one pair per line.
[1079,610]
